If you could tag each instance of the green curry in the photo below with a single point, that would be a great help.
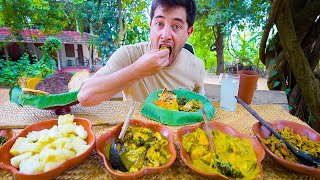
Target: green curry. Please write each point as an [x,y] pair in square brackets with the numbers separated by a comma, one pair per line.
[144,148]
[234,157]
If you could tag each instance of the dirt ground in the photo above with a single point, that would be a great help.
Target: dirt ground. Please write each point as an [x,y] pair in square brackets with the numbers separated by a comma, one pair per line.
[4,95]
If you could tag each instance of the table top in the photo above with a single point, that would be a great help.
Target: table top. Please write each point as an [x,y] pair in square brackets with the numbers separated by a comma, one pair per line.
[115,112]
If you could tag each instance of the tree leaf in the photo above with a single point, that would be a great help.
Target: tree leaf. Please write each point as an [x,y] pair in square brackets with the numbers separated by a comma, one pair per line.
[273,73]
[287,91]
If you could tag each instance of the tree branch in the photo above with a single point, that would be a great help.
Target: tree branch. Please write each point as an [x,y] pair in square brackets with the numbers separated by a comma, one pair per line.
[305,19]
[314,57]
[273,12]
[309,85]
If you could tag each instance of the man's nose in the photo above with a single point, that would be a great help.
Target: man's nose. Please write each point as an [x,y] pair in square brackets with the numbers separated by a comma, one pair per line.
[166,33]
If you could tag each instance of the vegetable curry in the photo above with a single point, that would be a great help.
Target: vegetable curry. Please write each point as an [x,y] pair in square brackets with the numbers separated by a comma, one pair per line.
[302,143]
[144,148]
[233,157]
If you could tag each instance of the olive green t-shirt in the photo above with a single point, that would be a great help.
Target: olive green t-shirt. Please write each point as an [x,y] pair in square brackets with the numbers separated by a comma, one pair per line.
[187,71]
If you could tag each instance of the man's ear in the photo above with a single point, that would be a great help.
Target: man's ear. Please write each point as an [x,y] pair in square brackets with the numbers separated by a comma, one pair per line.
[190,31]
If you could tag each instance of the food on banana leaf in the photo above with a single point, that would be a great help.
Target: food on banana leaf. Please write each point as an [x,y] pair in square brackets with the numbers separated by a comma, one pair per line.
[168,100]
[233,157]
[302,143]
[144,148]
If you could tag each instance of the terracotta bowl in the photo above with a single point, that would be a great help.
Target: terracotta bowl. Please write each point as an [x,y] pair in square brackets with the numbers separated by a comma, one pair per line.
[5,156]
[263,133]
[223,128]
[9,134]
[107,137]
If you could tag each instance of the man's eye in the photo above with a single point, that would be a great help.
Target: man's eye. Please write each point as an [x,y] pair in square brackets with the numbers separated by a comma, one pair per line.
[176,27]
[159,24]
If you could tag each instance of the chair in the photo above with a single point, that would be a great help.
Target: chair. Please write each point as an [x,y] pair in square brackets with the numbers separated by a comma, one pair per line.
[189,47]
[70,62]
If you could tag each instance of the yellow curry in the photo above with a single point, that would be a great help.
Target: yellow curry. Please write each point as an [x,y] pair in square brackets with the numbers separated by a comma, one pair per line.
[302,143]
[144,147]
[234,157]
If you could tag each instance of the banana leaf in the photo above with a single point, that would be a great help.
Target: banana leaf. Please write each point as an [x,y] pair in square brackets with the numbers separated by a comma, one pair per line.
[42,101]
[176,118]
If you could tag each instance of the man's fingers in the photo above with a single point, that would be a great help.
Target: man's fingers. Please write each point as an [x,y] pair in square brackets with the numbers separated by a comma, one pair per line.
[161,53]
[165,62]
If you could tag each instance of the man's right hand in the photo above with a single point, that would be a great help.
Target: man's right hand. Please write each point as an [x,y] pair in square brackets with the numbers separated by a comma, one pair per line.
[152,62]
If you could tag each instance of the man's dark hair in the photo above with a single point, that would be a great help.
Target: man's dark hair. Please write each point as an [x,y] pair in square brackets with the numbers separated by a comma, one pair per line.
[189,5]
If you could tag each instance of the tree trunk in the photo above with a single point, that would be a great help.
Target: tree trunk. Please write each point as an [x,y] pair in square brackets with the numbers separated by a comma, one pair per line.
[219,49]
[122,30]
[288,66]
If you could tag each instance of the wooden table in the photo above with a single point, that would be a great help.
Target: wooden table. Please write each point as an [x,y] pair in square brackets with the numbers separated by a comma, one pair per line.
[115,112]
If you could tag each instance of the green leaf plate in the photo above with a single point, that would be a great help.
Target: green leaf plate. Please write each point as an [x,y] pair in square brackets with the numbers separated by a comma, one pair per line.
[48,102]
[176,118]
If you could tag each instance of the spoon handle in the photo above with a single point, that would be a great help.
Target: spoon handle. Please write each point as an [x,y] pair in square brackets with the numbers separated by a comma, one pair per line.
[264,123]
[206,121]
[127,120]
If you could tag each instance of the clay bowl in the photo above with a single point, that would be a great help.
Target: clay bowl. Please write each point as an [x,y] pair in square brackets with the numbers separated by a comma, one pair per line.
[263,133]
[9,134]
[225,129]
[5,156]
[107,137]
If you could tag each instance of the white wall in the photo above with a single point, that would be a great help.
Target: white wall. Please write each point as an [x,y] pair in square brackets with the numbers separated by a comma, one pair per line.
[85,50]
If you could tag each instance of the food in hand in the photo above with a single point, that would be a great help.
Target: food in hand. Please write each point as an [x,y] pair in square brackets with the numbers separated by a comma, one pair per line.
[43,150]
[233,157]
[302,143]
[143,148]
[168,100]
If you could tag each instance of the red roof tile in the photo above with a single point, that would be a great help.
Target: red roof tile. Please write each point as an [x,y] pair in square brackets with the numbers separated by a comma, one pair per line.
[66,37]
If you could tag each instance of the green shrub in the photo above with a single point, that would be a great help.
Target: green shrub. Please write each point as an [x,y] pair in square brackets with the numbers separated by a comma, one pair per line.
[11,71]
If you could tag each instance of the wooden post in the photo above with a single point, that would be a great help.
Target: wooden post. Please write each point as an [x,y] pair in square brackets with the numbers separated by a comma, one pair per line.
[58,60]
[6,52]
[90,57]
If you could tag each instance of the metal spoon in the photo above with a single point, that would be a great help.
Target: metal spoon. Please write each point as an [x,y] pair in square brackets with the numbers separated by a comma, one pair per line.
[114,155]
[303,157]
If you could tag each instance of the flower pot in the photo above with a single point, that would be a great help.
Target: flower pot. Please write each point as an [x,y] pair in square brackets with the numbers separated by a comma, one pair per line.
[248,84]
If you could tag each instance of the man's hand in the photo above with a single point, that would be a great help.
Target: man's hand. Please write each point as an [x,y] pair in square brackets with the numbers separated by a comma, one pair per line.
[152,62]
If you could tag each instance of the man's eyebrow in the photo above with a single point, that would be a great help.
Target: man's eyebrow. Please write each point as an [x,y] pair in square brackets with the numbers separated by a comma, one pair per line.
[179,19]
[159,16]
[176,19]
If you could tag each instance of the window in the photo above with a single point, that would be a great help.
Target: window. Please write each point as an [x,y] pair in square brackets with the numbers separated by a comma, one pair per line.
[69,50]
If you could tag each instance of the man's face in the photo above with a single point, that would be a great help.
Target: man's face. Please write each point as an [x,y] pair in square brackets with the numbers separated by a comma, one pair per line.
[169,27]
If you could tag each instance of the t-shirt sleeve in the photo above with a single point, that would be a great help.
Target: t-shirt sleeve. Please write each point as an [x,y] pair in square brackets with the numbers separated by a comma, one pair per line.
[116,62]
[199,88]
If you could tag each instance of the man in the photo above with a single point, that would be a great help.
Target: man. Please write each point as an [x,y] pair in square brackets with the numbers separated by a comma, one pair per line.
[139,69]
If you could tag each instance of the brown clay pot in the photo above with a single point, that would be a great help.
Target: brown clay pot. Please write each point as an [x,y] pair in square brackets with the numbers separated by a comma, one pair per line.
[248,84]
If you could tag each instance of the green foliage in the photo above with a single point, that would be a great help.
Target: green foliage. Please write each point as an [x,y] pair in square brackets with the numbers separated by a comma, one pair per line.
[11,71]
[136,22]
[232,16]
[44,15]
[202,40]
